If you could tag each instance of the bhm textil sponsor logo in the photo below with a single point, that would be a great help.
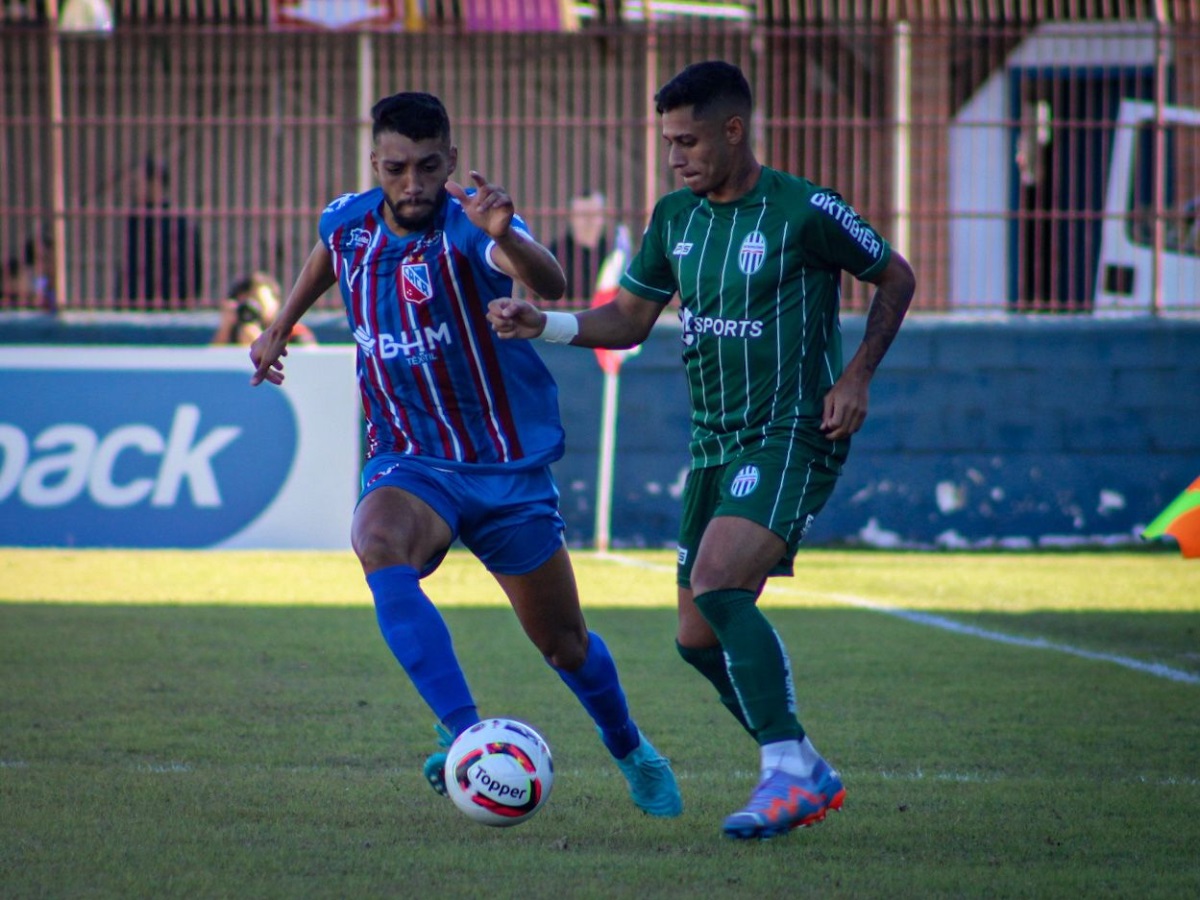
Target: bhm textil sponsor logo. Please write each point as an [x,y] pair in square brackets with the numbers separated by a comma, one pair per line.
[745,481]
[417,347]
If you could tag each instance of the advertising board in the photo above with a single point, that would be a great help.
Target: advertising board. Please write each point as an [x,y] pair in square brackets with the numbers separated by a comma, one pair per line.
[171,447]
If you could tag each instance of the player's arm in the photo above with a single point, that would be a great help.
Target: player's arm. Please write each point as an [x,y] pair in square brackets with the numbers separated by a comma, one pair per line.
[524,259]
[269,348]
[514,252]
[624,322]
[846,402]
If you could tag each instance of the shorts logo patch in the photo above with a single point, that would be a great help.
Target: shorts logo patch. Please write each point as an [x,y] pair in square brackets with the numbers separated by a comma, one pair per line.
[417,285]
[745,481]
[682,556]
[808,520]
[752,253]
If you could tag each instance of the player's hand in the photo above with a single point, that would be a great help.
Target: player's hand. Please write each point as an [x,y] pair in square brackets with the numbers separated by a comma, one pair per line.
[489,208]
[266,353]
[845,407]
[515,318]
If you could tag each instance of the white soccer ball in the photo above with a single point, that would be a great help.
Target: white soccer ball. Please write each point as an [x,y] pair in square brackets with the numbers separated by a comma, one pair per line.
[499,772]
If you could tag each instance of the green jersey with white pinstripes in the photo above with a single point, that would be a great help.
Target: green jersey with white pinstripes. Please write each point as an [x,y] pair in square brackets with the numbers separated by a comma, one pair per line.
[759,282]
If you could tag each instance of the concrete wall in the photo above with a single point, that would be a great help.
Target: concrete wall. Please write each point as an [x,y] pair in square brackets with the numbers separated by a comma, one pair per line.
[1021,432]
[1015,431]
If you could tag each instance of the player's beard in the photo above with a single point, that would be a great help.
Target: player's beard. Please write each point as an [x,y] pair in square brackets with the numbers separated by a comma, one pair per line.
[420,222]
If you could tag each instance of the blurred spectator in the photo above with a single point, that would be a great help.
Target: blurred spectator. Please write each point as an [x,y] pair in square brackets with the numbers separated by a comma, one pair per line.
[162,249]
[27,281]
[582,250]
[251,306]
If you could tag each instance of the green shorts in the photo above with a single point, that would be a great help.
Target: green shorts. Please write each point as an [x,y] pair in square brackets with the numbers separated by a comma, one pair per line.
[781,484]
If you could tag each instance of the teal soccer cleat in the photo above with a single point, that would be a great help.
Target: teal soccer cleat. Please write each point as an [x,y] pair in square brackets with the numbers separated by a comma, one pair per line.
[651,781]
[782,802]
[435,766]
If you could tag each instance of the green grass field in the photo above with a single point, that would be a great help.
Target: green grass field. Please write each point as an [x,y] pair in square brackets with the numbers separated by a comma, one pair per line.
[183,724]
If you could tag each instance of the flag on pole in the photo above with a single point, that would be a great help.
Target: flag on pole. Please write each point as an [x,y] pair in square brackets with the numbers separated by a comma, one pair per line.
[608,282]
[1181,520]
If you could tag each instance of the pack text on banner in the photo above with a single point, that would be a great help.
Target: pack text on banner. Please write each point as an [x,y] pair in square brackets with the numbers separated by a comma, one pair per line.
[171,447]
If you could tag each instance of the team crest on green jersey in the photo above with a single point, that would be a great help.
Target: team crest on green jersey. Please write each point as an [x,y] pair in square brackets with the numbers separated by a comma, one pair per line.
[752,253]
[745,481]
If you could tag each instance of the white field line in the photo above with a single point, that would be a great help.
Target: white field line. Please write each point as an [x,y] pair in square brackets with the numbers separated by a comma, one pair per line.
[919,618]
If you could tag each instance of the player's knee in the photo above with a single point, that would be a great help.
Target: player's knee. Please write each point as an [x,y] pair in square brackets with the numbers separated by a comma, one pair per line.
[716,574]
[708,575]
[564,650]
[693,630]
[376,549]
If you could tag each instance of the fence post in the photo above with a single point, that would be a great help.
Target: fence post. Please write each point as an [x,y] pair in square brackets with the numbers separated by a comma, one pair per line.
[902,102]
[58,187]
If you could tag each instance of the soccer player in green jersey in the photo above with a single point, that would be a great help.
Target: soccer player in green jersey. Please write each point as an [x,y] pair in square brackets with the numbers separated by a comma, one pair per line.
[756,257]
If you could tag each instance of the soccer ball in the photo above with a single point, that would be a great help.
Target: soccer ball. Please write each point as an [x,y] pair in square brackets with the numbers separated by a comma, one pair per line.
[499,772]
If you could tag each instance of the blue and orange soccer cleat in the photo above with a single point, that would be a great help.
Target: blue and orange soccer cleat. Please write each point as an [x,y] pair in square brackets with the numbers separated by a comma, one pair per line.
[435,766]
[782,802]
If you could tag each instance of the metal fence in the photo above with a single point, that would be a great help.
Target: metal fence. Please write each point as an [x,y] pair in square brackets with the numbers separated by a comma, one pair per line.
[1026,157]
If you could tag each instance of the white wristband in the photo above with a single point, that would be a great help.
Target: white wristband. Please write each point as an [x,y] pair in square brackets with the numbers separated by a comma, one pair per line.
[561,328]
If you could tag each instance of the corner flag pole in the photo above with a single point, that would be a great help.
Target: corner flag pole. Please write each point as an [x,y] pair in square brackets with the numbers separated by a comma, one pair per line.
[608,443]
[607,284]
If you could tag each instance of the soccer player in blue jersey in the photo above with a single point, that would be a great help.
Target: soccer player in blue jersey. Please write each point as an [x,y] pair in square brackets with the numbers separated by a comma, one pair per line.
[756,256]
[461,426]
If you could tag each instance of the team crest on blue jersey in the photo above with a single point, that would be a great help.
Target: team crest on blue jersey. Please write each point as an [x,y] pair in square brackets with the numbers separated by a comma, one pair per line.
[752,253]
[417,285]
[745,481]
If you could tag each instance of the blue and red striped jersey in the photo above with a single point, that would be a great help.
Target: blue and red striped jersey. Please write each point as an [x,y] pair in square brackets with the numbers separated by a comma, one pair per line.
[434,379]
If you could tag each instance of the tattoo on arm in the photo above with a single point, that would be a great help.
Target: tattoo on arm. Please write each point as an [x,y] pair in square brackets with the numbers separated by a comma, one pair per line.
[887,311]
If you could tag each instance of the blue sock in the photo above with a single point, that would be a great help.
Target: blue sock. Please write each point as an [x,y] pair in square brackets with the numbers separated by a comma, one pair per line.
[419,639]
[598,688]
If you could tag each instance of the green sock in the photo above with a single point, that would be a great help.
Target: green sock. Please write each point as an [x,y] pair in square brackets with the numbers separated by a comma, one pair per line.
[758,666]
[710,662]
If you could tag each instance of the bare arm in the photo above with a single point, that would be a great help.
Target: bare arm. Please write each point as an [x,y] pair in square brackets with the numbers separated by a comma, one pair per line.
[846,402]
[269,348]
[624,322]
[530,263]
[515,253]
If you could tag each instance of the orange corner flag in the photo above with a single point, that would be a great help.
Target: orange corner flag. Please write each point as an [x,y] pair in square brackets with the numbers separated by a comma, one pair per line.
[1181,520]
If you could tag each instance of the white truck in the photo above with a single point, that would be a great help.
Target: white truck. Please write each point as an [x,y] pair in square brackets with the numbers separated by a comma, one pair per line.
[1125,280]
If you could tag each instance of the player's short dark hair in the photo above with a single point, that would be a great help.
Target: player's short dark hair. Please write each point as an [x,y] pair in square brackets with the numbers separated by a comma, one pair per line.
[710,87]
[414,114]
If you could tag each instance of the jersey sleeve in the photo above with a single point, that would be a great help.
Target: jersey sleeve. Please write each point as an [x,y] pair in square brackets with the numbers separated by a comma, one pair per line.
[487,244]
[842,238]
[329,215]
[650,275]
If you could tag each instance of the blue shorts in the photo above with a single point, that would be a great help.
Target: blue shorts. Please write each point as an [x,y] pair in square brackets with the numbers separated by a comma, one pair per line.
[509,520]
